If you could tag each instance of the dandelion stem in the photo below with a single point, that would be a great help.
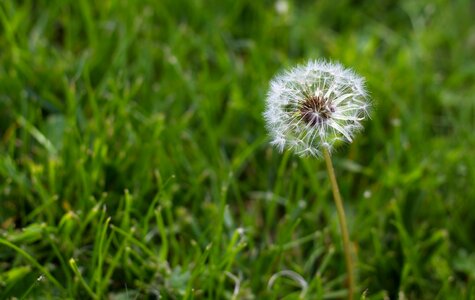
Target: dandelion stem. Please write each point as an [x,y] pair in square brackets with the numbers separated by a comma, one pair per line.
[343,226]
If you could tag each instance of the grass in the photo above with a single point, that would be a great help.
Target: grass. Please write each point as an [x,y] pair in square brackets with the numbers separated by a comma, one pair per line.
[134,160]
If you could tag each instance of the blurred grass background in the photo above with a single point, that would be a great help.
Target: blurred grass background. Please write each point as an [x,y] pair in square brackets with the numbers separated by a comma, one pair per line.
[134,160]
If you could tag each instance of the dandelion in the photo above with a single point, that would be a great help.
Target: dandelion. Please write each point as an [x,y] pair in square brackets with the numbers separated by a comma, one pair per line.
[309,109]
[314,106]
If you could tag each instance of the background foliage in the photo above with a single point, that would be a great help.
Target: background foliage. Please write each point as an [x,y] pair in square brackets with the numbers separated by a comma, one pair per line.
[134,160]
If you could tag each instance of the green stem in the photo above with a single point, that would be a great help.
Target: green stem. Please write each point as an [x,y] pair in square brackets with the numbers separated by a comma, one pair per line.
[343,226]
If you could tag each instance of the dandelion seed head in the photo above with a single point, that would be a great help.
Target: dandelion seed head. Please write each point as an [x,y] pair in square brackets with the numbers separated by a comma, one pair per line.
[315,105]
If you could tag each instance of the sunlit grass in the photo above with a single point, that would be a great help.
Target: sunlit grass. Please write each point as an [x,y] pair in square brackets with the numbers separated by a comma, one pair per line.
[134,159]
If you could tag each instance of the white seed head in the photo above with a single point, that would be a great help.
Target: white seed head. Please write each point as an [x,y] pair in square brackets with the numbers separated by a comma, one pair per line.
[314,105]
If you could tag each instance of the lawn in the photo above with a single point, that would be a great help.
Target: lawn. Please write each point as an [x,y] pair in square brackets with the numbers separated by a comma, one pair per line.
[135,162]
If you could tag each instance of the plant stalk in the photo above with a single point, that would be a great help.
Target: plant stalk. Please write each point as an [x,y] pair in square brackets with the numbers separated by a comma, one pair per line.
[342,221]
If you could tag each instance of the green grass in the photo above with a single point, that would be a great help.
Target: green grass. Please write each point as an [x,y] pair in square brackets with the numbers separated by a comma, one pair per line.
[134,159]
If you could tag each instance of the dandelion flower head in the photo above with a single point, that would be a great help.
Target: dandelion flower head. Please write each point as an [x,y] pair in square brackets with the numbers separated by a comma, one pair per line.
[315,105]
